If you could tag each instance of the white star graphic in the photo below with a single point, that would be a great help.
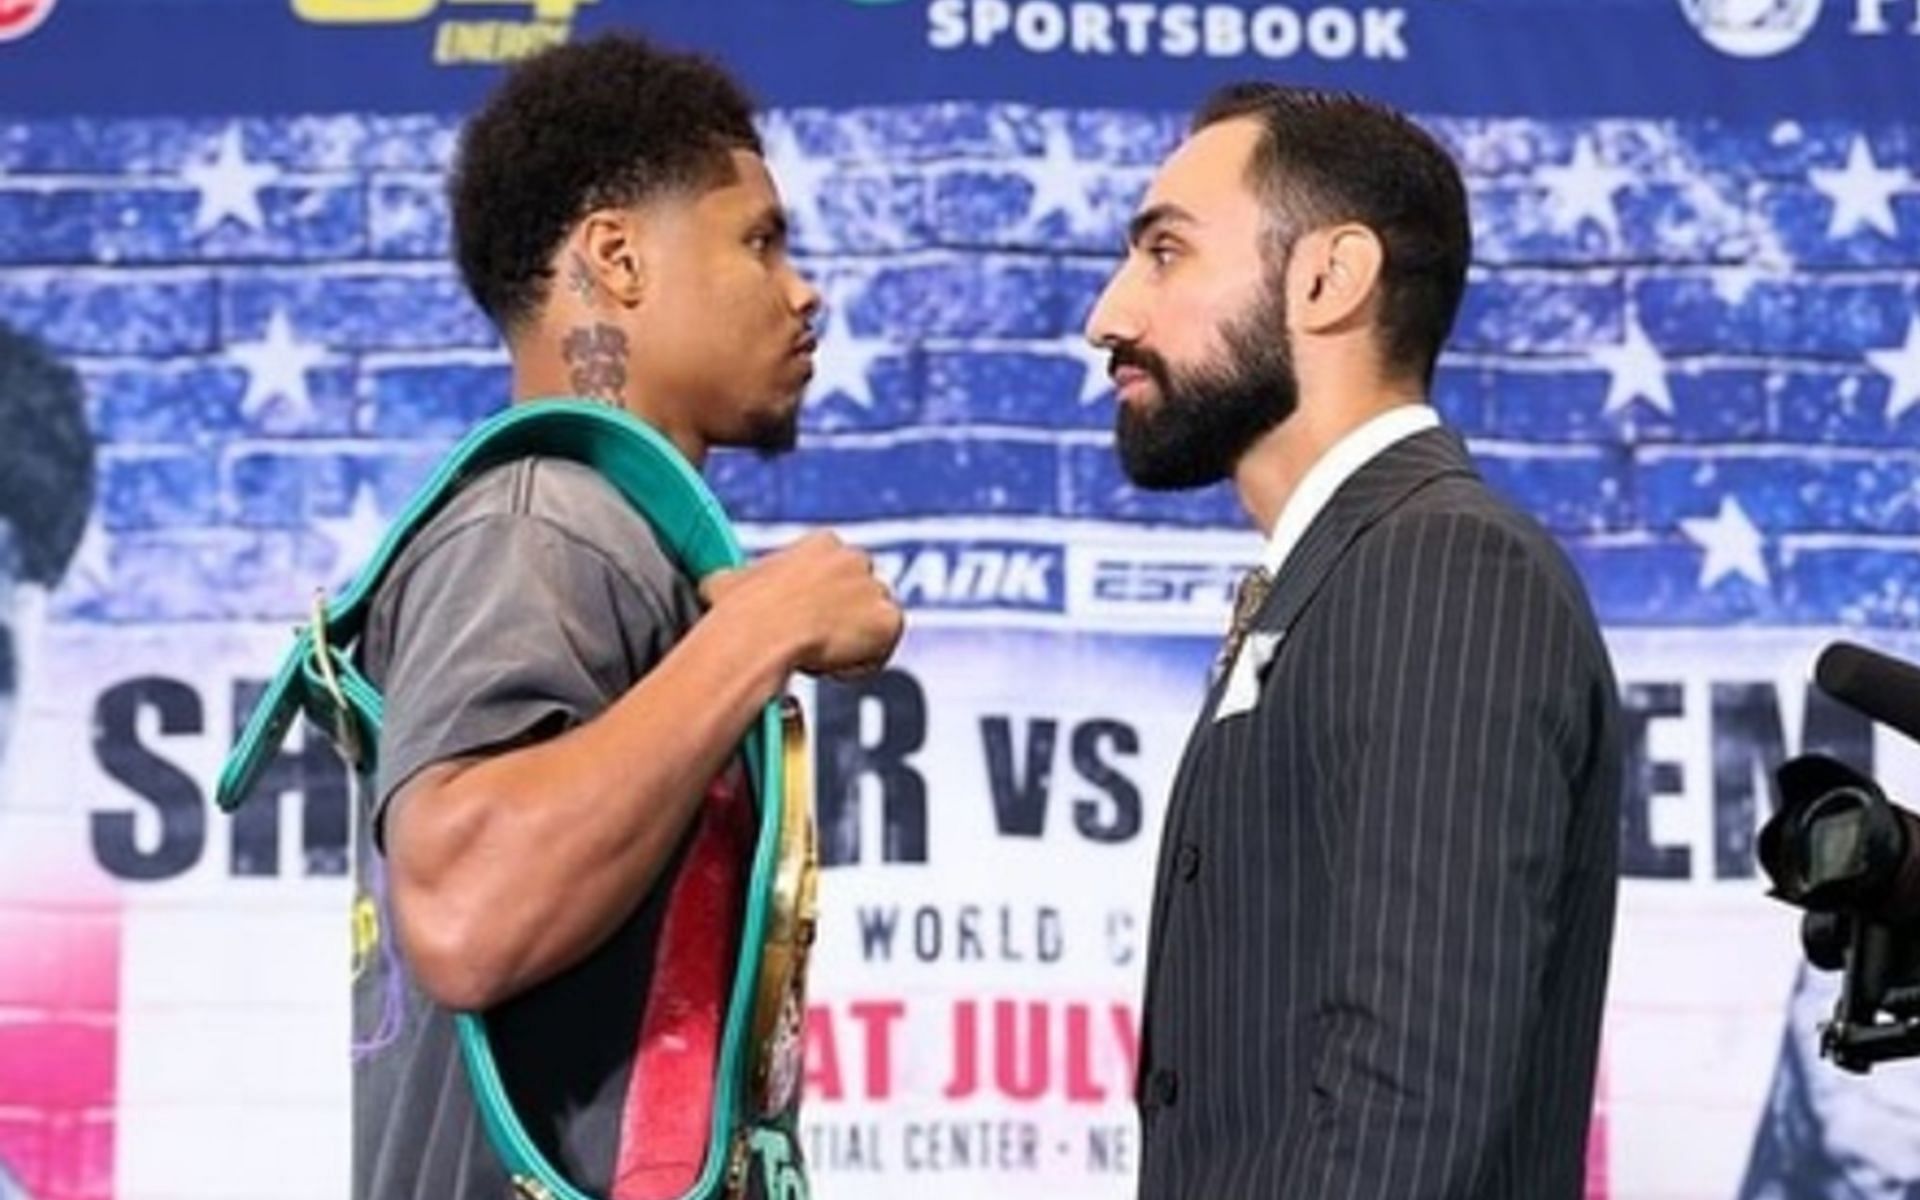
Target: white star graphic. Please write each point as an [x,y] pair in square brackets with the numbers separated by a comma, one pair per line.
[229,186]
[277,369]
[1094,385]
[1901,365]
[1638,372]
[1733,284]
[1583,189]
[353,534]
[1862,192]
[1731,542]
[795,173]
[844,359]
[1060,182]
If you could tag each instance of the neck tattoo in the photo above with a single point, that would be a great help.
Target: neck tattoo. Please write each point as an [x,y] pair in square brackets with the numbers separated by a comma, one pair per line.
[597,356]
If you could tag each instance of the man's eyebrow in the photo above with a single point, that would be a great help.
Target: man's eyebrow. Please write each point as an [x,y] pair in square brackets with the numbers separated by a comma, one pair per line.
[773,218]
[1160,214]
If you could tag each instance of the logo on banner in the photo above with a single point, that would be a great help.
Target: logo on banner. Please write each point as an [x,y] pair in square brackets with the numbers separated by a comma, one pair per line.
[458,39]
[1162,588]
[1135,28]
[18,18]
[1752,28]
[972,575]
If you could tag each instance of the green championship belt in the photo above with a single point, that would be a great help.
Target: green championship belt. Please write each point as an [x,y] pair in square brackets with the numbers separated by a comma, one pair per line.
[756,1086]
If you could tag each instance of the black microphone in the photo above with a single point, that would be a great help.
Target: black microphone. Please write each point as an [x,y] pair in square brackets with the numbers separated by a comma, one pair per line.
[1881,687]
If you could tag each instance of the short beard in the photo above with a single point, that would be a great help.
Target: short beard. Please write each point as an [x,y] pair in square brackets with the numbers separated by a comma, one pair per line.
[1204,420]
[771,435]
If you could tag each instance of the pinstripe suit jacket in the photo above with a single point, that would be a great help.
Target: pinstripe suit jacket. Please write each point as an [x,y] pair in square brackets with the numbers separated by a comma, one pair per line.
[1385,894]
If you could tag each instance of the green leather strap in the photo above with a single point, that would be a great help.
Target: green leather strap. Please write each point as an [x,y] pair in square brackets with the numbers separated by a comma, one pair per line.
[318,677]
[686,517]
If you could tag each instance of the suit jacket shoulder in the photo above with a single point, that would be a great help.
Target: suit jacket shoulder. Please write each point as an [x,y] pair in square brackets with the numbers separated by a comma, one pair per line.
[1420,488]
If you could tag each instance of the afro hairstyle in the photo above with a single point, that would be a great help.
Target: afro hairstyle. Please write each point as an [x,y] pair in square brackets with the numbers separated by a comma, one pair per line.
[608,122]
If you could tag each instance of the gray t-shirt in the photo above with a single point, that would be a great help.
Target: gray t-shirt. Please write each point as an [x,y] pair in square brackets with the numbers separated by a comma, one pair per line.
[534,600]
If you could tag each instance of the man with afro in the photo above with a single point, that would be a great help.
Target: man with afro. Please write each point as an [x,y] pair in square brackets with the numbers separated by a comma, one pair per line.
[562,706]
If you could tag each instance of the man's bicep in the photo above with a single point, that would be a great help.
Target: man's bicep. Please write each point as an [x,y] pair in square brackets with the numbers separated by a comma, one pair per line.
[410,803]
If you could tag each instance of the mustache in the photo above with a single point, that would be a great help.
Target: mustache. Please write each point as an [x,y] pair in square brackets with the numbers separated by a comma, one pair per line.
[1126,354]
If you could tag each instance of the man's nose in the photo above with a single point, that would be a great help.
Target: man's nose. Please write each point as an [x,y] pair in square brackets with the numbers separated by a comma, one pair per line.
[1112,320]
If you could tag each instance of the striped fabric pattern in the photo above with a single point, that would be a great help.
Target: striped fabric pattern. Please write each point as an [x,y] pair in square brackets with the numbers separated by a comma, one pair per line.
[1385,894]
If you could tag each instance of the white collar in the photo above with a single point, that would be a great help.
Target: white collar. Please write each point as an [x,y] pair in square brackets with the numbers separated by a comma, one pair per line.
[1359,447]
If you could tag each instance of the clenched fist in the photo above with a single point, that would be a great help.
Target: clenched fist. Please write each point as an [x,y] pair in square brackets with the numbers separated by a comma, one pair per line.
[820,597]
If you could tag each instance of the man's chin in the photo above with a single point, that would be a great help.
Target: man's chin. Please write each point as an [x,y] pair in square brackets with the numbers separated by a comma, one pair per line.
[774,437]
[1155,460]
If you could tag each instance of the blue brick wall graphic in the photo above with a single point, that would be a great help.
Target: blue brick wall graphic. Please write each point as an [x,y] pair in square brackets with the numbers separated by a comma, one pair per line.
[1691,348]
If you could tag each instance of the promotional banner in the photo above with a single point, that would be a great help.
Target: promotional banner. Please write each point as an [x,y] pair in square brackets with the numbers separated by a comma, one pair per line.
[1647,58]
[232,344]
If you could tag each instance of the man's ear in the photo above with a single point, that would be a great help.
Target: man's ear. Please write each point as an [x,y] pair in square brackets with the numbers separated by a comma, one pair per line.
[1333,276]
[605,259]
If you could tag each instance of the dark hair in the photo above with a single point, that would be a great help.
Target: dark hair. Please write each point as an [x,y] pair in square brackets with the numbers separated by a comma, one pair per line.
[612,121]
[46,459]
[1327,157]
